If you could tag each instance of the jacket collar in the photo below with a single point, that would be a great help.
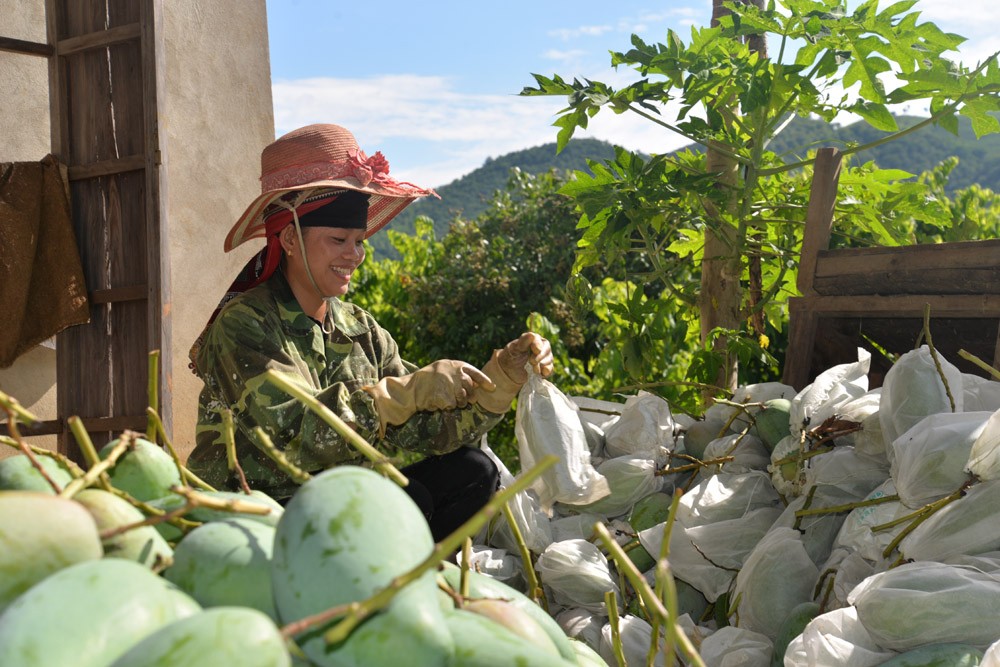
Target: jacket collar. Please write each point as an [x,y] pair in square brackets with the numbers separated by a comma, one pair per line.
[294,321]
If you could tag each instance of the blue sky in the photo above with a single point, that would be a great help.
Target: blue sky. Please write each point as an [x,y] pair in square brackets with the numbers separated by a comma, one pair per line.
[435,85]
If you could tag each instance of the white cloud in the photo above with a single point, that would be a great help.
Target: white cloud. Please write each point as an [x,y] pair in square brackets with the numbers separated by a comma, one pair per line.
[567,34]
[566,56]
[432,131]
[415,118]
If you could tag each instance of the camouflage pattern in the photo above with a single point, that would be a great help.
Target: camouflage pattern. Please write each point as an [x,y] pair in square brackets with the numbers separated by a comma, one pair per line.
[263,329]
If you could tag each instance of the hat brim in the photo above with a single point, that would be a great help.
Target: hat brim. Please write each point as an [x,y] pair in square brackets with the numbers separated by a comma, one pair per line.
[382,207]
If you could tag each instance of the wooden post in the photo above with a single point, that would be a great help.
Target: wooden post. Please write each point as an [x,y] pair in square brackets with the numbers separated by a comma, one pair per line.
[108,132]
[157,246]
[819,218]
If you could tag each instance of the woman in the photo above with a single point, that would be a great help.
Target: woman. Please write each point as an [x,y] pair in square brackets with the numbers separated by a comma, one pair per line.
[321,197]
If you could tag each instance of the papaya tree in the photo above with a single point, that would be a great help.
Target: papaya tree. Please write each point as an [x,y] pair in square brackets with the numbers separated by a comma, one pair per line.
[730,206]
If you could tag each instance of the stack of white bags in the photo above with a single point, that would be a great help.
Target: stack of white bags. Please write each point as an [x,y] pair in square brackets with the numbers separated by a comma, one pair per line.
[905,561]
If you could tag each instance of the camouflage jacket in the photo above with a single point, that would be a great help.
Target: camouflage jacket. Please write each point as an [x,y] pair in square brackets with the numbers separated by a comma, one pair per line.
[264,328]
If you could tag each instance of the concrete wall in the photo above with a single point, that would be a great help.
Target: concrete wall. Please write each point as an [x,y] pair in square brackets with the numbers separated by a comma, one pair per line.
[215,117]
[24,136]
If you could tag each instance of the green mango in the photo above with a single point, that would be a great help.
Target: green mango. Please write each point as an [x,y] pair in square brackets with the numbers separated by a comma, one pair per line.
[514,619]
[226,563]
[346,534]
[937,655]
[791,627]
[41,534]
[646,513]
[88,614]
[143,544]
[771,422]
[173,501]
[650,511]
[482,586]
[219,636]
[482,642]
[699,434]
[17,473]
[690,600]
[408,631]
[145,471]
[641,558]
[586,656]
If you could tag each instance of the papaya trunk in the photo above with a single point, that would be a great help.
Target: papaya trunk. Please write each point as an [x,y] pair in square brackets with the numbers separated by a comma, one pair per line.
[721,268]
[722,265]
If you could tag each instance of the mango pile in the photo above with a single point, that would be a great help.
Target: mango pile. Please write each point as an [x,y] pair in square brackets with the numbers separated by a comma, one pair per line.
[131,568]
[835,525]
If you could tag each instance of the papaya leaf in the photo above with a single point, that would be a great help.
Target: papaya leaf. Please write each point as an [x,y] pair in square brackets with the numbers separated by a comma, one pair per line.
[877,115]
[980,112]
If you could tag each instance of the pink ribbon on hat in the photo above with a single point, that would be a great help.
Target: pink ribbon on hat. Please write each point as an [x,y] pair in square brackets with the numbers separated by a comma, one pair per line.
[358,166]
[367,169]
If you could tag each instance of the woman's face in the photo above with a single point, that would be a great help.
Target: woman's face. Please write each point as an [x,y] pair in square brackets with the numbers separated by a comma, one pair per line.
[334,253]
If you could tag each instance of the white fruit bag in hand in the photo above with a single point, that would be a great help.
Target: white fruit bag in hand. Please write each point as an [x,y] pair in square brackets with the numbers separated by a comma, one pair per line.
[546,423]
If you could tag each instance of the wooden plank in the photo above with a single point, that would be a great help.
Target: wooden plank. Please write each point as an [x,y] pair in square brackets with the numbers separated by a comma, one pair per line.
[84,357]
[108,112]
[802,324]
[57,82]
[119,294]
[127,265]
[839,335]
[157,243]
[128,248]
[123,12]
[912,280]
[125,69]
[819,217]
[50,427]
[107,167]
[906,305]
[99,424]
[89,16]
[99,39]
[116,423]
[24,47]
[971,267]
[826,330]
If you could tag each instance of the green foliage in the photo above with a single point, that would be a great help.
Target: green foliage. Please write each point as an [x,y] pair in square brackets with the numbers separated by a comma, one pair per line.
[607,263]
[473,290]
[470,195]
[978,157]
[610,334]
[733,101]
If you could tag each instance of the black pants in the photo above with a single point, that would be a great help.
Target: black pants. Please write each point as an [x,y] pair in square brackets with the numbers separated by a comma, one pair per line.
[450,488]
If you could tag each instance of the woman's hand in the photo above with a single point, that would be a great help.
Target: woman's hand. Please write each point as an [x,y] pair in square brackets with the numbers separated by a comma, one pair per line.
[528,348]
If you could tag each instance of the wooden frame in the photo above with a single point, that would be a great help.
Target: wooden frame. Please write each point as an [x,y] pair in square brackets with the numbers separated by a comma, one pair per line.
[958,282]
[103,83]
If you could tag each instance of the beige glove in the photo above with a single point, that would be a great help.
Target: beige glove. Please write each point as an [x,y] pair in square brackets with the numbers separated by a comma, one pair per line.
[506,368]
[443,385]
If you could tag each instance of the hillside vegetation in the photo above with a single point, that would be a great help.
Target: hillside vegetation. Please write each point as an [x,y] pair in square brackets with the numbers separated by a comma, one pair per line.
[468,196]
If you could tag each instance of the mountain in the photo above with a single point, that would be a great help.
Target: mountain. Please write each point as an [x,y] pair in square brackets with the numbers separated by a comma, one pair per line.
[468,196]
[977,158]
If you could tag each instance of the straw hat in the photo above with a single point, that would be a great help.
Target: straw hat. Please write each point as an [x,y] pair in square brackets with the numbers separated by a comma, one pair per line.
[316,158]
